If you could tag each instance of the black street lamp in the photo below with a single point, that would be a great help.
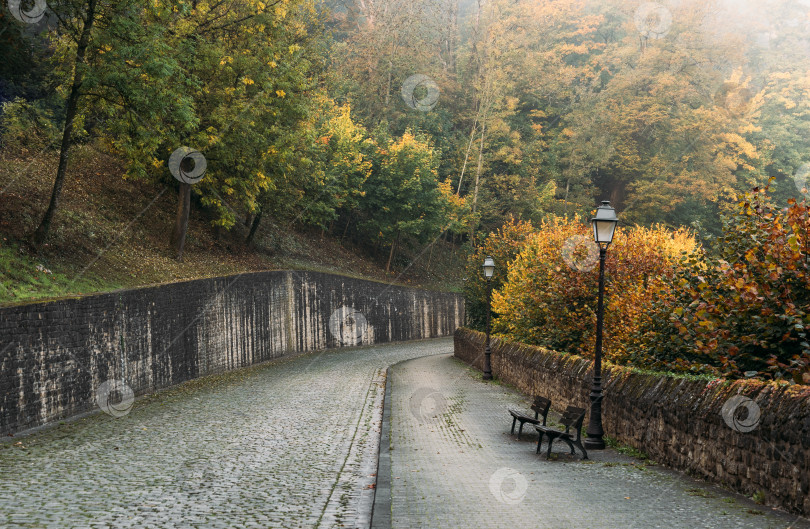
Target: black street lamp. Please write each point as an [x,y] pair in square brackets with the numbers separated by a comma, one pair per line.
[604,226]
[489,271]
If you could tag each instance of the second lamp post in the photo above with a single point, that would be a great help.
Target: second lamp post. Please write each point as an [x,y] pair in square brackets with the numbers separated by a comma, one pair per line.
[604,226]
[489,271]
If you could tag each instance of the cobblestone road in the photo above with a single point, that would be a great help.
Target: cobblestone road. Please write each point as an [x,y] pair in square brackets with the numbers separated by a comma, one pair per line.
[455,465]
[291,443]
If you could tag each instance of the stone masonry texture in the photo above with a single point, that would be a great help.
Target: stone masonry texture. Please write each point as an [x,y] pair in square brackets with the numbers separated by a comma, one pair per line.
[676,421]
[55,357]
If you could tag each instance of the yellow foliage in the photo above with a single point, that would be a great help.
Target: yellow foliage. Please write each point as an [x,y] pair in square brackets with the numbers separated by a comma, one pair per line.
[281,9]
[550,294]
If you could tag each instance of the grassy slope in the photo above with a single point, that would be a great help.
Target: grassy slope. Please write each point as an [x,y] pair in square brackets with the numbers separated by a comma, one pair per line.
[107,236]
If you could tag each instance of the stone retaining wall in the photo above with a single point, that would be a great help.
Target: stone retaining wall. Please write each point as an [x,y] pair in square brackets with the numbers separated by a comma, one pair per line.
[677,421]
[57,358]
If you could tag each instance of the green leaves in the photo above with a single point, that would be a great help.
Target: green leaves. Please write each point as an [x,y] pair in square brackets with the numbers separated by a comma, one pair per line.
[748,310]
[402,195]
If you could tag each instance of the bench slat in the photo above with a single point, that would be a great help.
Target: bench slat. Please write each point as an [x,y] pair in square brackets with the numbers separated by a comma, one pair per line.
[540,407]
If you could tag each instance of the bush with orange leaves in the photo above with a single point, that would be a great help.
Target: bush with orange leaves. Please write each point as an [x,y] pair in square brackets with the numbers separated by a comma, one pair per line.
[743,310]
[550,294]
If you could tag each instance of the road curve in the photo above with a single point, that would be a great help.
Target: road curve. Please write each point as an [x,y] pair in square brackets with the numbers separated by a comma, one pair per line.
[290,443]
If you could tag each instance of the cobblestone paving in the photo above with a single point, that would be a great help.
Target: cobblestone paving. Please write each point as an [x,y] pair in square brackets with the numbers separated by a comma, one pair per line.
[455,464]
[291,444]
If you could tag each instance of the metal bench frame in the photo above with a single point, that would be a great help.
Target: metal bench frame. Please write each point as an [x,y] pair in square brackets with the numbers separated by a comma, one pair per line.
[540,407]
[572,419]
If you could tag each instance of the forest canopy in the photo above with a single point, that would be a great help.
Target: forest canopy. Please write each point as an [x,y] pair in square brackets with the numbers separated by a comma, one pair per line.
[393,124]
[320,110]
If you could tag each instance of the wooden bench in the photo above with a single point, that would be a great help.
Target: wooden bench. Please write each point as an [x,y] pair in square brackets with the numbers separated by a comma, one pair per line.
[540,407]
[572,420]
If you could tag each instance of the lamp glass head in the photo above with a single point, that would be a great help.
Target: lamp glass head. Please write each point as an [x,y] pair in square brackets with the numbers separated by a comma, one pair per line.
[489,267]
[604,223]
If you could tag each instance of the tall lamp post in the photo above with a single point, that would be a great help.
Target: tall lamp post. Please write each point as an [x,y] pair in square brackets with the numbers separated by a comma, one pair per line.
[604,226]
[489,271]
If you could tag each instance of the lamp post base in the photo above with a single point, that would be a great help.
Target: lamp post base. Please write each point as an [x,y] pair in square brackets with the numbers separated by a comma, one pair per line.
[594,443]
[594,433]
[487,365]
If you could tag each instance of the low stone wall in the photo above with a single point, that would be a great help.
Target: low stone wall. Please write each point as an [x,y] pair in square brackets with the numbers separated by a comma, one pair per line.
[61,358]
[677,421]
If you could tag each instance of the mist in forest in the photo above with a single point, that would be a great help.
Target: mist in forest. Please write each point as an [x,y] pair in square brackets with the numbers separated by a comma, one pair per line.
[522,109]
[668,109]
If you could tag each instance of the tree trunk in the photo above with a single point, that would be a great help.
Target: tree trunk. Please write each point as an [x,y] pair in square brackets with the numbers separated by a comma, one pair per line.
[391,56]
[391,254]
[454,39]
[346,229]
[477,181]
[451,37]
[430,257]
[257,219]
[567,187]
[71,109]
[467,156]
[181,221]
[388,87]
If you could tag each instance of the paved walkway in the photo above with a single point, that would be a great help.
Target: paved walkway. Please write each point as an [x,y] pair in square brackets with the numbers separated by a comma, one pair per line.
[454,464]
[292,443]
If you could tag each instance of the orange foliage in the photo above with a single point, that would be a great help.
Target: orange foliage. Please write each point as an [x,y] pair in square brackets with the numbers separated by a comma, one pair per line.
[550,294]
[744,310]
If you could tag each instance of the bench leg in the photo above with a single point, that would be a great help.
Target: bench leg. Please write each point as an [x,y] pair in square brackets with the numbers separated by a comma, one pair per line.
[584,453]
[520,430]
[514,420]
[550,442]
[571,446]
[539,442]
[574,442]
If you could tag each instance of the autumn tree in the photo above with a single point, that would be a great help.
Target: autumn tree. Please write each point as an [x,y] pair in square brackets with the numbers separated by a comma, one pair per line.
[86,30]
[240,79]
[403,196]
[741,310]
[321,169]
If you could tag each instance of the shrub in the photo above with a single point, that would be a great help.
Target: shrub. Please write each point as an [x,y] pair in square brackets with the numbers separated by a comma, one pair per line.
[25,125]
[550,300]
[503,245]
[743,312]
